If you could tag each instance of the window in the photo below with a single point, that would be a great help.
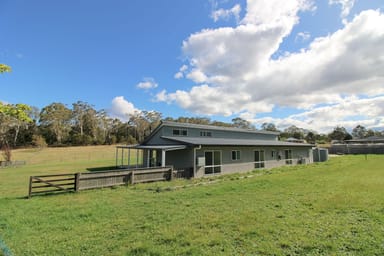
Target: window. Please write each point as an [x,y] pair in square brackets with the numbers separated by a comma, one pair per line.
[205,134]
[259,159]
[180,132]
[273,154]
[212,162]
[288,156]
[235,155]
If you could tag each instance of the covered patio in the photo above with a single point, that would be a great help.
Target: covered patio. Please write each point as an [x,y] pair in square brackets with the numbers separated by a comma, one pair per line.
[143,156]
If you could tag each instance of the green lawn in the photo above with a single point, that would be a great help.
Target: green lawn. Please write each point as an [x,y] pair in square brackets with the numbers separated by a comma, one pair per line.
[332,208]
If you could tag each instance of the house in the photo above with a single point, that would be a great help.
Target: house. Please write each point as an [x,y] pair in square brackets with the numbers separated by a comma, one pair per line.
[210,150]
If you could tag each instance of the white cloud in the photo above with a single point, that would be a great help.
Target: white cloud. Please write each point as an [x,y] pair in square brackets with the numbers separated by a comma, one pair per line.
[178,75]
[240,76]
[275,12]
[346,7]
[226,14]
[122,109]
[181,72]
[162,96]
[302,36]
[197,76]
[348,113]
[147,83]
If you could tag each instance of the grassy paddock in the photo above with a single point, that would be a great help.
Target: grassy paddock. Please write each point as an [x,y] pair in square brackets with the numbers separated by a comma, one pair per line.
[332,208]
[14,181]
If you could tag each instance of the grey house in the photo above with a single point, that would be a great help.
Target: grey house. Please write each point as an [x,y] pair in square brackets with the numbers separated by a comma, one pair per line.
[210,150]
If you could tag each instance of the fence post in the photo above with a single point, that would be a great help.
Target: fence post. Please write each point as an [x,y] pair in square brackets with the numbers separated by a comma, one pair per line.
[133,177]
[171,173]
[30,187]
[77,181]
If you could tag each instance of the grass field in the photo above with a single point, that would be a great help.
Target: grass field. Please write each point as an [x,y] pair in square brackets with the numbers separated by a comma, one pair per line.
[332,208]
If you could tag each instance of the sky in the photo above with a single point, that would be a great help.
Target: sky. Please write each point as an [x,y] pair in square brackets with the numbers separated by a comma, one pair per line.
[313,64]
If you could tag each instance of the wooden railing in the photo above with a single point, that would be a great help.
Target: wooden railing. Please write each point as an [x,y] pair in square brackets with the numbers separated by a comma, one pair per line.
[48,184]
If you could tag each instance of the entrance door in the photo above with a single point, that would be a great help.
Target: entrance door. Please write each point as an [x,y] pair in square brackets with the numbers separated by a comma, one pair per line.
[212,162]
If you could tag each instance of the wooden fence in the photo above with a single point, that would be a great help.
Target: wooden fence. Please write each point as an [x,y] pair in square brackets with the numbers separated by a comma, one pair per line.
[357,149]
[4,164]
[75,182]
[53,183]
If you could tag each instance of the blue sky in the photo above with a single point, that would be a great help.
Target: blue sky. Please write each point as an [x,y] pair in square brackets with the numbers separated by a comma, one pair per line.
[314,64]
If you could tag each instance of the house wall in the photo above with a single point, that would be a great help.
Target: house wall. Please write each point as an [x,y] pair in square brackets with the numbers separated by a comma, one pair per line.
[157,140]
[246,162]
[179,159]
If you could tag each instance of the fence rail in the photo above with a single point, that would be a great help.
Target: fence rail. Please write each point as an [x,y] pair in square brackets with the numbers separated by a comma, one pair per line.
[74,182]
[52,183]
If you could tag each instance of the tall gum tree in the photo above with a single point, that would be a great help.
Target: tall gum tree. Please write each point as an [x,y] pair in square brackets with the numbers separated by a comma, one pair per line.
[56,117]
[12,117]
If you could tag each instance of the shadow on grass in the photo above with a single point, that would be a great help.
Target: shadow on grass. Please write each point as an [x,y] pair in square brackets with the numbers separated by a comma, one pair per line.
[102,169]
[47,194]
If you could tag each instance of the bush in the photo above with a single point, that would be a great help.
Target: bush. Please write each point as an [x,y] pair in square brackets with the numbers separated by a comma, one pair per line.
[39,141]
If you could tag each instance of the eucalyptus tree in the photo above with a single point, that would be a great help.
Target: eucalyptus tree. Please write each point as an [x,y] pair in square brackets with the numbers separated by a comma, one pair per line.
[85,123]
[242,123]
[153,119]
[12,118]
[359,132]
[339,133]
[269,127]
[55,119]
[104,127]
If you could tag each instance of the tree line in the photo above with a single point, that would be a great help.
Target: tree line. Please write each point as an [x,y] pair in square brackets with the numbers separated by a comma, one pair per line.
[59,125]
[81,124]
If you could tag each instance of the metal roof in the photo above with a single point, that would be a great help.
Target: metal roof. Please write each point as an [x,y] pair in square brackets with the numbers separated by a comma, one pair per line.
[162,147]
[214,127]
[205,127]
[233,142]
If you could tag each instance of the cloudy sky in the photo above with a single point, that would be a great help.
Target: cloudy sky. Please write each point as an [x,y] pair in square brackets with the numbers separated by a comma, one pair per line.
[313,64]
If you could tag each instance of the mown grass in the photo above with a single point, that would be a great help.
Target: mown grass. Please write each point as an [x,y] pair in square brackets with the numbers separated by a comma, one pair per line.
[332,208]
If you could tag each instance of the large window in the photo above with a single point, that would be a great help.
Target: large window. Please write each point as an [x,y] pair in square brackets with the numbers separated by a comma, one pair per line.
[180,132]
[212,162]
[235,155]
[288,156]
[259,159]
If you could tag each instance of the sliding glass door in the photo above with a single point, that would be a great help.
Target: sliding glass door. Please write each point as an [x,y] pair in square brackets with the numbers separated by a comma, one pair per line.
[259,159]
[212,162]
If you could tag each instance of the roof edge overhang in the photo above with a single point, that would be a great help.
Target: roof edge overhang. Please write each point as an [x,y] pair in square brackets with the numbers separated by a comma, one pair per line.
[224,142]
[155,147]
